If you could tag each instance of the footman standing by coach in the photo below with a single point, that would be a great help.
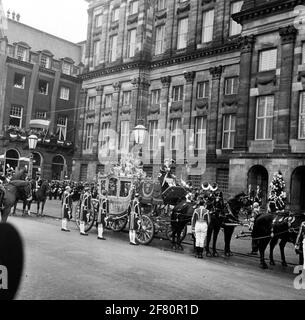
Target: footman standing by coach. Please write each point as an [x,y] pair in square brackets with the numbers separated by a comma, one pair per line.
[85,207]
[300,244]
[66,209]
[134,213]
[102,214]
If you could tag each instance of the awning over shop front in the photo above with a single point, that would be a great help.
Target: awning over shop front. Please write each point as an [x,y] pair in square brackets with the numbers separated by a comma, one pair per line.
[40,124]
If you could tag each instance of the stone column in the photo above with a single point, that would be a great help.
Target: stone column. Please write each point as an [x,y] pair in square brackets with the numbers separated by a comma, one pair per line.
[81,121]
[98,115]
[216,73]
[241,137]
[88,55]
[115,123]
[164,123]
[281,111]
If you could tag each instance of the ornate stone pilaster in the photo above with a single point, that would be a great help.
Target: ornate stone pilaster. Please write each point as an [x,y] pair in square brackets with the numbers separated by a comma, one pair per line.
[141,82]
[117,86]
[247,43]
[216,72]
[288,34]
[189,76]
[166,81]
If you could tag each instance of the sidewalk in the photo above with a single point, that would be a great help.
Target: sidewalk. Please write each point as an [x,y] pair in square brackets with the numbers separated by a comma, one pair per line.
[238,246]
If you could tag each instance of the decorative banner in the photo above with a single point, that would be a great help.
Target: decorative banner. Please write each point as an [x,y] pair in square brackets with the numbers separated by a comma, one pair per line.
[41,124]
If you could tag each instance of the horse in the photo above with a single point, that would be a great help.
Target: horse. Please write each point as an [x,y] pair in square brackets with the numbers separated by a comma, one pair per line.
[40,196]
[224,215]
[181,215]
[270,228]
[13,191]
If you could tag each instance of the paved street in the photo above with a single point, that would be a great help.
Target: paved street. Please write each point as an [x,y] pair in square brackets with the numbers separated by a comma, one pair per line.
[66,266]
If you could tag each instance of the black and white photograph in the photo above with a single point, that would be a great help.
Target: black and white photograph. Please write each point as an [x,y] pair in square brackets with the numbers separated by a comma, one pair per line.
[152,152]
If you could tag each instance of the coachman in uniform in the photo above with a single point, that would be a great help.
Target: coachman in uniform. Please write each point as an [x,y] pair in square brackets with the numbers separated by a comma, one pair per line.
[102,214]
[134,222]
[66,209]
[85,208]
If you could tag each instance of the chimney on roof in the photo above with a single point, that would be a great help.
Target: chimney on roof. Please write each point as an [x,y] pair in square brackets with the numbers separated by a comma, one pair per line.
[13,15]
[18,17]
[8,13]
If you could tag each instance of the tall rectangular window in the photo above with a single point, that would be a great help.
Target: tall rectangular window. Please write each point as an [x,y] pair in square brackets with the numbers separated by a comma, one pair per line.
[105,137]
[228,135]
[64,93]
[302,116]
[203,89]
[264,117]
[175,134]
[177,93]
[89,136]
[113,48]
[131,43]
[153,135]
[83,176]
[66,68]
[126,98]
[155,97]
[267,59]
[21,53]
[115,15]
[207,25]
[19,81]
[182,33]
[124,136]
[231,85]
[91,103]
[62,123]
[161,4]
[133,7]
[45,62]
[200,133]
[159,43]
[108,101]
[96,53]
[235,28]
[43,87]
[98,20]
[16,116]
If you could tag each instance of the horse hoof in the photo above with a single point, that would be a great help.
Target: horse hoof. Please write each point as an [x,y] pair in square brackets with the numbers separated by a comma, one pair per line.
[272,263]
[215,254]
[174,248]
[264,266]
[208,254]
[284,264]
[180,248]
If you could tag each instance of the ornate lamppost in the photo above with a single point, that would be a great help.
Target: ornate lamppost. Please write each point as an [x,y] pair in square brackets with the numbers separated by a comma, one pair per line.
[33,139]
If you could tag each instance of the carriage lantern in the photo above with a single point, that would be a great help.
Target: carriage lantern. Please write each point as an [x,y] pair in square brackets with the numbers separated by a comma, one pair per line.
[139,133]
[33,142]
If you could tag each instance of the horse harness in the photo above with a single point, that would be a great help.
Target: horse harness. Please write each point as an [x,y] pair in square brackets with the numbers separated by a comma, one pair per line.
[284,218]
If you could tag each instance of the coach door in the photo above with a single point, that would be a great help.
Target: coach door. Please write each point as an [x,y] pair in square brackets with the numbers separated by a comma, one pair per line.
[258,176]
[298,189]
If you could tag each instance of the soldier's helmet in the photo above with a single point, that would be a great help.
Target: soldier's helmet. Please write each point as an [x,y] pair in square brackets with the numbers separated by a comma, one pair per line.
[214,187]
[206,186]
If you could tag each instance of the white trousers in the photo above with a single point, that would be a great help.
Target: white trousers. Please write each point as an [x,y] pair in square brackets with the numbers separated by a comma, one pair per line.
[201,229]
[304,254]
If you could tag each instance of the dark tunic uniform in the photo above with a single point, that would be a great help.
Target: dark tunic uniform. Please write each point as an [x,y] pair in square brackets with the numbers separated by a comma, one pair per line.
[85,206]
[134,213]
[103,210]
[66,206]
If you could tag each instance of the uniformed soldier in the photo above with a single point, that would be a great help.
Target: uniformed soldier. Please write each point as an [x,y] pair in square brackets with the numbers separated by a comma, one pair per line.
[300,242]
[200,222]
[102,214]
[134,213]
[66,209]
[85,208]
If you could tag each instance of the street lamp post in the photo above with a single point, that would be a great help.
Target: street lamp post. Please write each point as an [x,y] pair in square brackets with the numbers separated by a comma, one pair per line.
[33,139]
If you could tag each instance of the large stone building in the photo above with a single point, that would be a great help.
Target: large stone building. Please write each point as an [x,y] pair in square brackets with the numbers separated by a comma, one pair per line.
[39,92]
[218,84]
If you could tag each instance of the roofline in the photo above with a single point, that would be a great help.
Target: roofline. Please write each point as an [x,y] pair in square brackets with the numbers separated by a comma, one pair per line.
[44,32]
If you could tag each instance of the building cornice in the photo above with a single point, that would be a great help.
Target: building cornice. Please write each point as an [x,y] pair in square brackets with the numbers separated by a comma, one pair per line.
[266,9]
[19,62]
[228,47]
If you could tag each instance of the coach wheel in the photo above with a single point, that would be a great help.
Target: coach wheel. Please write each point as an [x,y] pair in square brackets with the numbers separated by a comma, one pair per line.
[169,233]
[146,232]
[90,218]
[118,225]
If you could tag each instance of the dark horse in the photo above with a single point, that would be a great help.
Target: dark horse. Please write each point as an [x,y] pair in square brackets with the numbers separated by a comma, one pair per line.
[224,215]
[13,191]
[270,228]
[39,196]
